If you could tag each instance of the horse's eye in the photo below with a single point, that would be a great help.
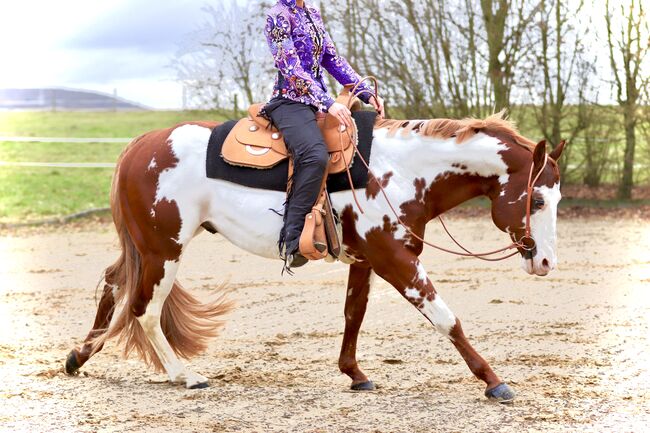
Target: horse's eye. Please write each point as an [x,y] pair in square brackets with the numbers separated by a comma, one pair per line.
[538,203]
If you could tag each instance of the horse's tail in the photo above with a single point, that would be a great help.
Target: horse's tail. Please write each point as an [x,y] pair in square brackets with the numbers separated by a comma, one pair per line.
[187,323]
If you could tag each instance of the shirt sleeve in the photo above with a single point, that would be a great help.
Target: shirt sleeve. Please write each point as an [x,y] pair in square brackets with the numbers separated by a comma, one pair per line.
[341,70]
[278,36]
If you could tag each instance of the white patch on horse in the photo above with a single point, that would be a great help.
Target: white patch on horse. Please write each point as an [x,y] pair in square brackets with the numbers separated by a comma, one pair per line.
[543,225]
[150,322]
[245,216]
[188,144]
[400,233]
[421,274]
[523,194]
[152,164]
[439,315]
[414,157]
[413,294]
[241,214]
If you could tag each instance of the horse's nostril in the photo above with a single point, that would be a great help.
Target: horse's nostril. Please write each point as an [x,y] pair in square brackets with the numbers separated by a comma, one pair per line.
[545,263]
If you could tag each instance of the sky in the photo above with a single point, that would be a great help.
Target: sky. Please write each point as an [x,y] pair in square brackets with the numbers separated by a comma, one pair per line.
[126,45]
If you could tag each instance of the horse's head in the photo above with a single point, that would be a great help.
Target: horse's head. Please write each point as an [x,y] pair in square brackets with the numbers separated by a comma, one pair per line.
[531,219]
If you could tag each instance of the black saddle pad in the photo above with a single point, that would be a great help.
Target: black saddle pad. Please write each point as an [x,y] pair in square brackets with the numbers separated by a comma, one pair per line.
[275,178]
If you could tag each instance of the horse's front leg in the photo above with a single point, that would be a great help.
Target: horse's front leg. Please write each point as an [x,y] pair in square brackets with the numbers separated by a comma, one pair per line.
[356,301]
[405,272]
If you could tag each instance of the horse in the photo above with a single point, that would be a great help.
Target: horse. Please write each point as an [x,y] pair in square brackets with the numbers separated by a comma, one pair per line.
[161,199]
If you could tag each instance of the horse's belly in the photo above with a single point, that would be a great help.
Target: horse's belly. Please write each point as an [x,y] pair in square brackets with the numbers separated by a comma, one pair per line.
[246,218]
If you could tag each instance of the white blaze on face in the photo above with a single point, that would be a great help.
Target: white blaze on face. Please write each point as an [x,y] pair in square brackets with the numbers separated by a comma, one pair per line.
[543,230]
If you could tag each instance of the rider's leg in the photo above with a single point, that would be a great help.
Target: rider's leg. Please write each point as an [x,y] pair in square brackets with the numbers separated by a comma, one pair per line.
[305,142]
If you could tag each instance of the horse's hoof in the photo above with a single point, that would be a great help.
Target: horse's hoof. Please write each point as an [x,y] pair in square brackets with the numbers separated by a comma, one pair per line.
[501,393]
[72,363]
[363,386]
[199,385]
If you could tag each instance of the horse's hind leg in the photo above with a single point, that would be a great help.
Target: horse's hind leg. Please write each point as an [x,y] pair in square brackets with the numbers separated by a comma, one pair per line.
[405,272]
[78,357]
[157,289]
[355,308]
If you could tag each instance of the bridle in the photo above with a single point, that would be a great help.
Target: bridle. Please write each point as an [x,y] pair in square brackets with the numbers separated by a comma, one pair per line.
[528,250]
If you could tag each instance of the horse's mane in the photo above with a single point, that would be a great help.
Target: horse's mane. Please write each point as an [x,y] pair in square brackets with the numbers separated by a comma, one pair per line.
[462,129]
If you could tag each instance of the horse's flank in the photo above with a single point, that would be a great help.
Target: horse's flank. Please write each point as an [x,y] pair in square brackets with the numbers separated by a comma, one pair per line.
[461,129]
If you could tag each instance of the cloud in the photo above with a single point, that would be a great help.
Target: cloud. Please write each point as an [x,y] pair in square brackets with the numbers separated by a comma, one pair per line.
[123,44]
[134,39]
[148,26]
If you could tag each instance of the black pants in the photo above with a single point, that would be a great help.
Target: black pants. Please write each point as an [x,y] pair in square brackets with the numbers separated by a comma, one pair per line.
[305,143]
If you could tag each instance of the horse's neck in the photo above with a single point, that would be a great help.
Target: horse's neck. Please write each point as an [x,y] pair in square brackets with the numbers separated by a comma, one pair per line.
[453,173]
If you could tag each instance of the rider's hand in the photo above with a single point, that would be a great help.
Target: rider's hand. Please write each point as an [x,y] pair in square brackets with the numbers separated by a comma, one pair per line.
[342,113]
[378,103]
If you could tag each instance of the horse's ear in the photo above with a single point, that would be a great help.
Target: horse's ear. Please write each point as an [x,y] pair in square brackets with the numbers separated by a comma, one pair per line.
[557,152]
[538,153]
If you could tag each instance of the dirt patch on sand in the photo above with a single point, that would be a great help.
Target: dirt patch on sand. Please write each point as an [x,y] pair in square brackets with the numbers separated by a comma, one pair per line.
[574,345]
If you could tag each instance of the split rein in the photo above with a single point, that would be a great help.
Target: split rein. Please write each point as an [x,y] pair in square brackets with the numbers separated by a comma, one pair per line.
[516,244]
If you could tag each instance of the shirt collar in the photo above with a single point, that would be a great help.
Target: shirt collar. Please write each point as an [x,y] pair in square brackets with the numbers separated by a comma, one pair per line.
[291,4]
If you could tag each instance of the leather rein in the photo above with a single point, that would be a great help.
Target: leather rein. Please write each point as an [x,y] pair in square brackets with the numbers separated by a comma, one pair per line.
[516,244]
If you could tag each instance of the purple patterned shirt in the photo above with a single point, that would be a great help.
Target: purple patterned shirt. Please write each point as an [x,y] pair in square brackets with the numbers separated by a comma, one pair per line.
[301,47]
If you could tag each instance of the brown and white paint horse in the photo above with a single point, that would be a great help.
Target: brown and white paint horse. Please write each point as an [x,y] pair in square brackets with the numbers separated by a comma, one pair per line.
[161,199]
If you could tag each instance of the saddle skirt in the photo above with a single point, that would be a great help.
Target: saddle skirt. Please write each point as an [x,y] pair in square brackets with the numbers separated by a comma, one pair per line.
[255,142]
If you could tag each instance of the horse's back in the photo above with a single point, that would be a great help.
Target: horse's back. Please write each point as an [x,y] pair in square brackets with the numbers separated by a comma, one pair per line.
[153,149]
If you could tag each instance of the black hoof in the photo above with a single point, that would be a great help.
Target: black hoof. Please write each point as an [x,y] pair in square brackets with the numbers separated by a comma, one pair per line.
[72,364]
[501,393]
[200,385]
[363,386]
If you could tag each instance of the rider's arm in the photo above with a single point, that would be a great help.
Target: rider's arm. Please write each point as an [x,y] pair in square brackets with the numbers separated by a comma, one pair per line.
[278,35]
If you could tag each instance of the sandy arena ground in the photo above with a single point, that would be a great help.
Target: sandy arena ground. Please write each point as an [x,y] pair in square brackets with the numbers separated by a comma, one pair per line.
[574,345]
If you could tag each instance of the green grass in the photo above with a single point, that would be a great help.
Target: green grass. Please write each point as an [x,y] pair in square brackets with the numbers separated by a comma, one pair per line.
[32,193]
[60,152]
[95,124]
[28,193]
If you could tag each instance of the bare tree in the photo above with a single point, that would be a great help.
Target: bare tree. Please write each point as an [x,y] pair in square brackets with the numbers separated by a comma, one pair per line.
[559,76]
[628,41]
[226,60]
[644,127]
[506,23]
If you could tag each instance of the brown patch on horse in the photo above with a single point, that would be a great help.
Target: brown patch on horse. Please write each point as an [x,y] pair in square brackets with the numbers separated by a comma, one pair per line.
[389,226]
[353,243]
[462,129]
[148,233]
[373,189]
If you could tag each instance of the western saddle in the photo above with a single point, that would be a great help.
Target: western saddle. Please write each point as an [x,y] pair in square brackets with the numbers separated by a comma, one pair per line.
[255,142]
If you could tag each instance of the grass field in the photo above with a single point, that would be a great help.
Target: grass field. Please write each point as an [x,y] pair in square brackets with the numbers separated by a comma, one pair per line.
[28,193]
[94,124]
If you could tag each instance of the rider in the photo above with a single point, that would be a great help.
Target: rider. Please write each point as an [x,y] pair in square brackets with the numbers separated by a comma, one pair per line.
[301,46]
